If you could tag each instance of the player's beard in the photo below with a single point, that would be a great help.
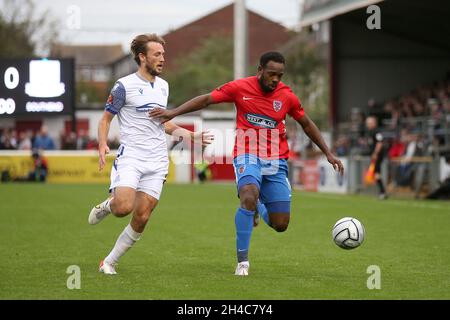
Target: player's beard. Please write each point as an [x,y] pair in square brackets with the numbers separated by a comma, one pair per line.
[151,70]
[263,86]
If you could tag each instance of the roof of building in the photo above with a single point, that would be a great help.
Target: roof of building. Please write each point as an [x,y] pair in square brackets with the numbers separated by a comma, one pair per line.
[263,34]
[421,21]
[315,11]
[88,54]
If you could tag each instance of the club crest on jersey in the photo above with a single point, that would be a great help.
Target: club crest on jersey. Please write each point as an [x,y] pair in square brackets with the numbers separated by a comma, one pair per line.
[241,169]
[277,105]
[164,92]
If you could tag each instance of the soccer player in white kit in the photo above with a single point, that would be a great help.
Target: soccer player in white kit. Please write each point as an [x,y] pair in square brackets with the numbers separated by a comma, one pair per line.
[141,165]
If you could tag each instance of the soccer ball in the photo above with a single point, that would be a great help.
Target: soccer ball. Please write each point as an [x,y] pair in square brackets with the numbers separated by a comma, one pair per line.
[348,233]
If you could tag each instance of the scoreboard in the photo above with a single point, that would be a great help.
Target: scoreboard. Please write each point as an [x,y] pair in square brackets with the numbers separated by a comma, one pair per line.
[36,86]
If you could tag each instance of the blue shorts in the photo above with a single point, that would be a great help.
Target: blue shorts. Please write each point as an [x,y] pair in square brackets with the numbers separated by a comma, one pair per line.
[270,176]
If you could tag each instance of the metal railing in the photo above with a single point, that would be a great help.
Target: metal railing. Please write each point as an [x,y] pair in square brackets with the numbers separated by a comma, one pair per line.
[411,176]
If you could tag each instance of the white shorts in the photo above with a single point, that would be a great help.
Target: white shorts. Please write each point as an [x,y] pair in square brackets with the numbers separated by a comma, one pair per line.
[139,174]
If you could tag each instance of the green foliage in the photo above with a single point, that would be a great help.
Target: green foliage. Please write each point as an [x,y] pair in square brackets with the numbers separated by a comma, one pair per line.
[15,42]
[307,75]
[89,92]
[24,33]
[202,70]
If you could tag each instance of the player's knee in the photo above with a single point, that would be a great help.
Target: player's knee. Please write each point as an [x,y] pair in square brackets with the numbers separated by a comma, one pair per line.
[122,208]
[248,195]
[279,221]
[248,202]
[280,227]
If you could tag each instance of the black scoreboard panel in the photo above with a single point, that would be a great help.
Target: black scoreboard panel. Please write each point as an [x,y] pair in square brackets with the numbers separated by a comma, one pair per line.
[36,86]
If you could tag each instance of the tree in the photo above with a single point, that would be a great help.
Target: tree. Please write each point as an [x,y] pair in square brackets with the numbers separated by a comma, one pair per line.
[307,75]
[24,32]
[211,64]
[207,67]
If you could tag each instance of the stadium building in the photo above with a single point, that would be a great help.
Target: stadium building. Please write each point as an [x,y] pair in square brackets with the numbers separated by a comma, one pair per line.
[389,59]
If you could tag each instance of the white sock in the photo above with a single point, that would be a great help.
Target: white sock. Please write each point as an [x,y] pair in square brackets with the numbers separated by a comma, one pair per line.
[125,241]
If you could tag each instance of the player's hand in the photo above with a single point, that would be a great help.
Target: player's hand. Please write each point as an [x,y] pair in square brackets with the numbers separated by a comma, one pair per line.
[336,163]
[206,137]
[103,150]
[163,115]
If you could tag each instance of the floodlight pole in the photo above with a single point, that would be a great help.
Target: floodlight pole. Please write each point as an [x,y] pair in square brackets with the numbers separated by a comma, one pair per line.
[240,39]
[301,3]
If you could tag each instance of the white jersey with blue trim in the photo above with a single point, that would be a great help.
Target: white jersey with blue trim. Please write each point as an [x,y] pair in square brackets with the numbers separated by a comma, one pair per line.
[131,98]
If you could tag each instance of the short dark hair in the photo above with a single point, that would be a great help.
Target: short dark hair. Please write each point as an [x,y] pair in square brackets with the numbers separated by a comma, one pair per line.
[139,44]
[271,56]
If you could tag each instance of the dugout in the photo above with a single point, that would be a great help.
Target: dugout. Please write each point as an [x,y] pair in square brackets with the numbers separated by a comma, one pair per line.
[410,49]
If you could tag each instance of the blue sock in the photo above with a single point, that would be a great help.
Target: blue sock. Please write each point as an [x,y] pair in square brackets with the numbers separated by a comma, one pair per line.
[244,227]
[262,210]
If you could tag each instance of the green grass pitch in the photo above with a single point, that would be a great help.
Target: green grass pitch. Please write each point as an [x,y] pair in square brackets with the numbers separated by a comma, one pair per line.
[188,248]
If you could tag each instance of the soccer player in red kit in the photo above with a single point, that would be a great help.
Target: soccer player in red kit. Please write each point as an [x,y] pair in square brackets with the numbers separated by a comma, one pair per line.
[261,149]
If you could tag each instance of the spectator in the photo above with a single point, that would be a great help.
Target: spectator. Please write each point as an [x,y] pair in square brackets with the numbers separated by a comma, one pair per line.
[342,146]
[69,142]
[8,141]
[40,168]
[356,129]
[398,147]
[25,140]
[43,140]
[405,170]
[93,145]
[82,140]
[13,138]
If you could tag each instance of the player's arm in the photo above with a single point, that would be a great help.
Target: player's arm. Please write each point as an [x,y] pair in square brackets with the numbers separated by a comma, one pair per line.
[177,131]
[311,130]
[197,103]
[103,130]
[377,150]
[116,100]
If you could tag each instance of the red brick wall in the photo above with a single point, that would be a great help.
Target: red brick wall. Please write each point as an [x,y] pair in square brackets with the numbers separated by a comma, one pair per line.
[264,34]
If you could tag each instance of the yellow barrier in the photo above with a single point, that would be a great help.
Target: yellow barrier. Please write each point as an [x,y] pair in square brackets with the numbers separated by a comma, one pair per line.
[77,169]
[17,165]
[65,166]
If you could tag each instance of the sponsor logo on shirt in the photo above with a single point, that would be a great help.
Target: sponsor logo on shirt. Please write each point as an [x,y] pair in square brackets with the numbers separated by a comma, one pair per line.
[141,91]
[164,92]
[149,106]
[110,99]
[261,121]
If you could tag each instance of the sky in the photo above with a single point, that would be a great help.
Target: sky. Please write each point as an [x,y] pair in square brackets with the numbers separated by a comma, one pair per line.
[118,21]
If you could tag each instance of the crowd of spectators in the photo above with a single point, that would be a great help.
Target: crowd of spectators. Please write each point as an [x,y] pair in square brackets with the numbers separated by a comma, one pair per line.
[419,116]
[10,139]
[414,126]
